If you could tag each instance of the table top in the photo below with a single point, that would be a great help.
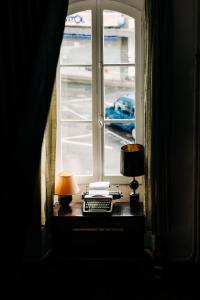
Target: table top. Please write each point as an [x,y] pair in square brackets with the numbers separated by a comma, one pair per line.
[120,208]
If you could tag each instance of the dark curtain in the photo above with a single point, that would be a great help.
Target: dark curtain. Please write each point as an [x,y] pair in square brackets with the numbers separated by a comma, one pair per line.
[30,36]
[159,88]
[198,126]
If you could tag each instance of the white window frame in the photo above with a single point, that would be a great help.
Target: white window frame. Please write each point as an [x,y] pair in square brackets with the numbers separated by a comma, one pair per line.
[127,8]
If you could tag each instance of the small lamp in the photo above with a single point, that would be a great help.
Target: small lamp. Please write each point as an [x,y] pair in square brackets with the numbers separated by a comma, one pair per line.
[65,187]
[132,165]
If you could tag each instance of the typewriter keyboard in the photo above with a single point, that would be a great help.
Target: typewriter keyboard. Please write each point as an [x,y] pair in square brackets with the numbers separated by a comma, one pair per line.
[97,206]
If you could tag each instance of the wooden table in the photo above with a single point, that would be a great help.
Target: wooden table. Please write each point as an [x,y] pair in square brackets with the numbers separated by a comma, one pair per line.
[116,236]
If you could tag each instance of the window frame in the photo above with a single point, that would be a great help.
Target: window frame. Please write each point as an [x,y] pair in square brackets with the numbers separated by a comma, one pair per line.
[97,8]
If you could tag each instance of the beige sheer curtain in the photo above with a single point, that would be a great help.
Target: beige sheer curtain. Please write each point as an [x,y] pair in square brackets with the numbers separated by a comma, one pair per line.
[48,162]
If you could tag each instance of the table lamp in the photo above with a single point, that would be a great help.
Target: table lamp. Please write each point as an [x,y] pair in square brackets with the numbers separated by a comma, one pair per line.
[65,187]
[132,165]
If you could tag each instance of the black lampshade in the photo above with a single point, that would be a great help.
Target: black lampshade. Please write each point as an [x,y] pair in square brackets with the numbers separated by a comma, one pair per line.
[132,160]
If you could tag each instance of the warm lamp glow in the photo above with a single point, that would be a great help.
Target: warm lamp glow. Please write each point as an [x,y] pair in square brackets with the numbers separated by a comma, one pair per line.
[65,184]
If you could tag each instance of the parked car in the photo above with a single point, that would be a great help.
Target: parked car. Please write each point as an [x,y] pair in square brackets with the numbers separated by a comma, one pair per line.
[123,108]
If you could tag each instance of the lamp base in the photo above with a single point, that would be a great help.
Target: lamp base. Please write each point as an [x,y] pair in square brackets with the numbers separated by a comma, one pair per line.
[65,200]
[134,200]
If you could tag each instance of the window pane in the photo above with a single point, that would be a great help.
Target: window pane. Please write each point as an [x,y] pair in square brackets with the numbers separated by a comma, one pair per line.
[76,93]
[115,137]
[76,148]
[119,95]
[76,46]
[119,37]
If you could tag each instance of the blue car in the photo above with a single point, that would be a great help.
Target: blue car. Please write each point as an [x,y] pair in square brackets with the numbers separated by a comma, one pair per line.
[123,108]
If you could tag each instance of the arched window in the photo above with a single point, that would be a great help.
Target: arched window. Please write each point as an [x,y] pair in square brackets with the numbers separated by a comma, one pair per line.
[100,88]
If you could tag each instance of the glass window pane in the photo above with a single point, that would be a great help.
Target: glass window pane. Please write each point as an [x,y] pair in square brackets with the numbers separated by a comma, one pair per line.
[119,37]
[76,93]
[115,137]
[76,148]
[119,92]
[76,48]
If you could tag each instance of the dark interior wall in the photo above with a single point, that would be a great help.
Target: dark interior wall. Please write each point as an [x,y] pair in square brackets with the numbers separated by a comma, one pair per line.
[184,136]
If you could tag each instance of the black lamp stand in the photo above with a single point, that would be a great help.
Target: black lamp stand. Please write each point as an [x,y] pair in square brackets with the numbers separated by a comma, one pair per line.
[65,200]
[134,197]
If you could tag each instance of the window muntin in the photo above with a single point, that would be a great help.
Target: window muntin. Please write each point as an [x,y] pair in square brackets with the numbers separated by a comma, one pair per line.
[104,138]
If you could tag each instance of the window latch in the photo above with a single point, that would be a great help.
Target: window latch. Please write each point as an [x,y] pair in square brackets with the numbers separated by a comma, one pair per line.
[100,122]
[100,65]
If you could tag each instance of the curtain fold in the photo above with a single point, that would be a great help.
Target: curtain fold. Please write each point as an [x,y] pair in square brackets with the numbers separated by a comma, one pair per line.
[48,161]
[31,33]
[159,86]
[47,173]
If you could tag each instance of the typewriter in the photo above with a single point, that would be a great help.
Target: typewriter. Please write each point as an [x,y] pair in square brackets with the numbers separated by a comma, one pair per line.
[97,204]
[98,200]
